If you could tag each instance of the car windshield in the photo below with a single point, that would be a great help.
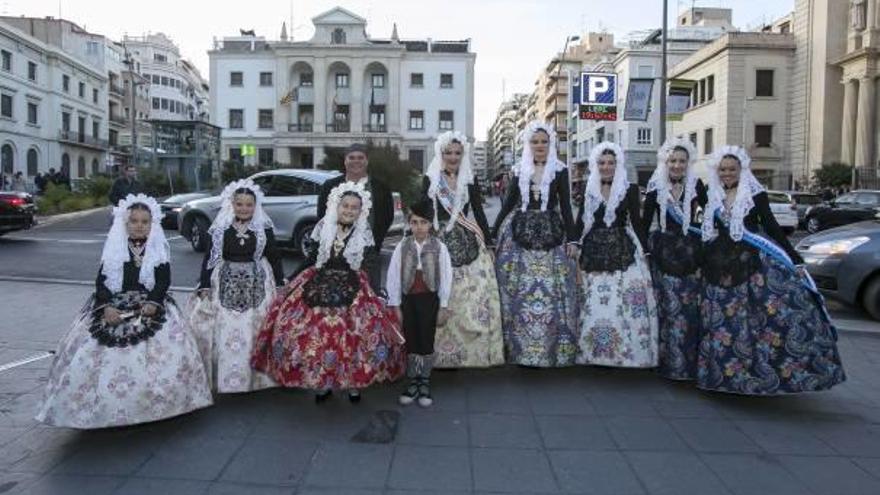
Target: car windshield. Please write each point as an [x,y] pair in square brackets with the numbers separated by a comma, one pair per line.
[807,199]
[776,197]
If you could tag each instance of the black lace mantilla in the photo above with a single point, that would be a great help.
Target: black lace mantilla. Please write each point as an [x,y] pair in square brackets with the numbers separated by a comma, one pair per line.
[462,244]
[675,253]
[331,288]
[242,285]
[728,263]
[134,328]
[607,250]
[538,230]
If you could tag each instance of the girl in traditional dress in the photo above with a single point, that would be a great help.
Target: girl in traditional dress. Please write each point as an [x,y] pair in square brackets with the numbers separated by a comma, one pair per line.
[619,315]
[765,327]
[536,250]
[239,274]
[129,357]
[327,329]
[675,196]
[472,335]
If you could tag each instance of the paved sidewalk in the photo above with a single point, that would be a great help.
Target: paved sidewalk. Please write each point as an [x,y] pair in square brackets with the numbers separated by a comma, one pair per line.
[506,430]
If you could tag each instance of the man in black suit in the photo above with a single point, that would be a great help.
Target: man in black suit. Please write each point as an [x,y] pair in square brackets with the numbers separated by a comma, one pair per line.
[382,213]
[125,185]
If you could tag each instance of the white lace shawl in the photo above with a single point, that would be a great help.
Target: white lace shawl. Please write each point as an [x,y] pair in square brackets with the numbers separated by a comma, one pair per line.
[659,180]
[526,167]
[116,253]
[742,204]
[465,175]
[258,224]
[593,198]
[361,236]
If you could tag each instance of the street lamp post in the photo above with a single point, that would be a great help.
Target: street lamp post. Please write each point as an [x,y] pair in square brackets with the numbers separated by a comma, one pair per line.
[568,39]
[663,64]
[129,61]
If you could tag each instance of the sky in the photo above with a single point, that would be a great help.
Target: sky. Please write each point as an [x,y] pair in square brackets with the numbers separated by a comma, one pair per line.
[513,39]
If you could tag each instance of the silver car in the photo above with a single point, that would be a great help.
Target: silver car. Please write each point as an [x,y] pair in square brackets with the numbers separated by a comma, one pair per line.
[291,202]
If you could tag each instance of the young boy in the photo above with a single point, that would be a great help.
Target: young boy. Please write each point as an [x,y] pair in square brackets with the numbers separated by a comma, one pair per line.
[419,282]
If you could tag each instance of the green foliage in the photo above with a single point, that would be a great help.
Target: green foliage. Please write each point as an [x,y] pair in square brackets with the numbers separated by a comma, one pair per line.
[833,175]
[384,164]
[59,199]
[156,182]
[96,186]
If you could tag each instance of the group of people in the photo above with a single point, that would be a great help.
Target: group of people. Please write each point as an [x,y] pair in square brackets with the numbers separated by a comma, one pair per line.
[18,181]
[698,281]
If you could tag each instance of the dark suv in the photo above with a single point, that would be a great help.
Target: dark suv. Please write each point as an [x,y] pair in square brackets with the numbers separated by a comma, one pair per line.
[852,207]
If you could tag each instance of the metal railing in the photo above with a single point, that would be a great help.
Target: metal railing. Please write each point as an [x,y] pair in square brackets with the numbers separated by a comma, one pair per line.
[300,127]
[339,127]
[82,139]
[375,128]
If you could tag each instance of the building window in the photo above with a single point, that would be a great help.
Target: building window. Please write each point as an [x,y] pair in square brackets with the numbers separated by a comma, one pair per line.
[266,119]
[340,118]
[96,129]
[446,120]
[445,80]
[94,166]
[236,118]
[417,80]
[341,80]
[266,156]
[236,79]
[416,120]
[702,91]
[235,154]
[33,162]
[32,71]
[157,79]
[338,37]
[81,167]
[708,141]
[7,159]
[65,83]
[95,96]
[82,90]
[764,83]
[160,57]
[763,136]
[164,103]
[164,80]
[377,118]
[417,158]
[33,110]
[65,121]
[65,164]
[307,79]
[378,81]
[693,138]
[6,106]
[644,135]
[7,60]
[710,88]
[156,103]
[265,78]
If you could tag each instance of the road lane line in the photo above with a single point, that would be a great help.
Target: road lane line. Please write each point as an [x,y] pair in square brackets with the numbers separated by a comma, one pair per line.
[27,360]
[175,237]
[62,281]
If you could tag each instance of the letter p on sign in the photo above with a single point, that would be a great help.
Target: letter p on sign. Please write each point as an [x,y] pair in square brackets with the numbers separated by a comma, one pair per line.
[599,88]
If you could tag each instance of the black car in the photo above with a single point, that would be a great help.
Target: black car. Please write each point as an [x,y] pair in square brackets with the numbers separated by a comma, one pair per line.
[852,207]
[17,211]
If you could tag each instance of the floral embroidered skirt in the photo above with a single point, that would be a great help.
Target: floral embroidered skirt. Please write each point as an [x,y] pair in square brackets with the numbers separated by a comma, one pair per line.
[539,307]
[678,310]
[472,335]
[227,321]
[619,318]
[332,347]
[766,336]
[142,370]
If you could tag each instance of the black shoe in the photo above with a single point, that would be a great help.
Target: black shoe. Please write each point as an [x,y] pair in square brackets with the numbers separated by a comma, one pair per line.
[425,399]
[354,396]
[410,394]
[321,397]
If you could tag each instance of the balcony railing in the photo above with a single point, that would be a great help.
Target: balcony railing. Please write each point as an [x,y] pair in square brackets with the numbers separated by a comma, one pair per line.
[375,128]
[300,127]
[81,139]
[339,127]
[118,119]
[117,90]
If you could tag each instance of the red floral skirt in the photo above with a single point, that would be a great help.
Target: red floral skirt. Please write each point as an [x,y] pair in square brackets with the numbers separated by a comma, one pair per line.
[318,348]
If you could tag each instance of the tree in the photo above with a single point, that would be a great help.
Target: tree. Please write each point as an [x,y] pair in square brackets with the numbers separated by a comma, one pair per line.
[384,164]
[833,175]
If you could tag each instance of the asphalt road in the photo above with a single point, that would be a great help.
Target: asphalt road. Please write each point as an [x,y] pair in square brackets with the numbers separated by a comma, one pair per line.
[70,250]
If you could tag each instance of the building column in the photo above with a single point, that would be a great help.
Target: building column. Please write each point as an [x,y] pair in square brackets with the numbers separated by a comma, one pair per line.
[318,155]
[848,132]
[865,124]
[319,77]
[356,89]
[283,155]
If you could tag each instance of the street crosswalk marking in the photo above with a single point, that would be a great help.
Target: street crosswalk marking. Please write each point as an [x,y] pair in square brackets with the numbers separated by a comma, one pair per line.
[24,361]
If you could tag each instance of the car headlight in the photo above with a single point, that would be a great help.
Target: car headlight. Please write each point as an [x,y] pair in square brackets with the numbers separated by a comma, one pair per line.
[841,246]
[176,210]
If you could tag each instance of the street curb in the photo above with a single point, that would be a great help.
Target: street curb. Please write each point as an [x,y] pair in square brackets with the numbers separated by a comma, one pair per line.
[43,221]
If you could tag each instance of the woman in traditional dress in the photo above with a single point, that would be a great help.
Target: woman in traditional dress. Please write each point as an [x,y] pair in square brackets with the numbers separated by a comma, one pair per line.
[619,315]
[535,257]
[129,357]
[472,335]
[765,327]
[672,204]
[327,329]
[239,274]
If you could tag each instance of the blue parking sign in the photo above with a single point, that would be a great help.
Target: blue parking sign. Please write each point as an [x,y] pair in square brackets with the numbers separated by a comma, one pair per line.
[598,88]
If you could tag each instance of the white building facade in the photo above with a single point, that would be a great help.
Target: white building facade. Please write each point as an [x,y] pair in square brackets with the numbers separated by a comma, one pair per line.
[295,100]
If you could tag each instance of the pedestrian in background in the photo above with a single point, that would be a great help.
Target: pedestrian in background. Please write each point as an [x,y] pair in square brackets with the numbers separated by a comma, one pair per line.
[18,182]
[125,185]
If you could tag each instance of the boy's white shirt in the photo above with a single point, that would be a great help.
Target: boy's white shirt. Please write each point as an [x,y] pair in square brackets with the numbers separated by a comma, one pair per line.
[392,282]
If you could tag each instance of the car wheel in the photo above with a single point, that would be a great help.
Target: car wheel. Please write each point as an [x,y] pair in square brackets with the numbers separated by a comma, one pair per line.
[302,235]
[198,234]
[813,225]
[871,298]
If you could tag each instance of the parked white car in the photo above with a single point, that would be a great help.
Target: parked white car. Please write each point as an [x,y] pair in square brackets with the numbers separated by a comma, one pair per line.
[784,210]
